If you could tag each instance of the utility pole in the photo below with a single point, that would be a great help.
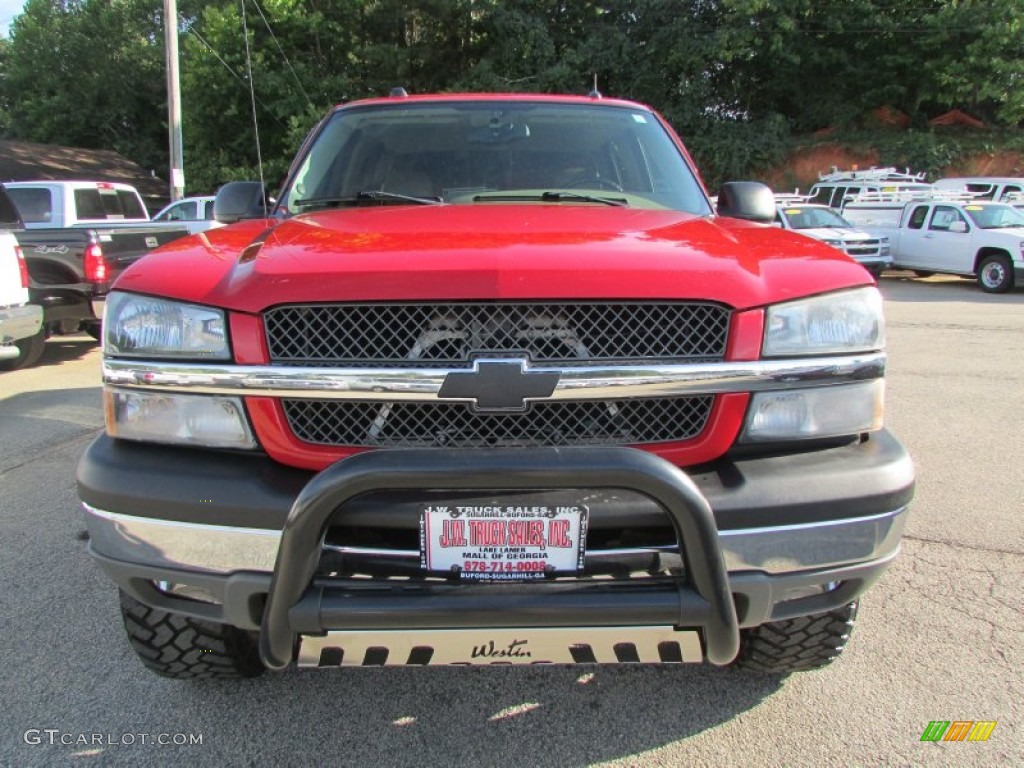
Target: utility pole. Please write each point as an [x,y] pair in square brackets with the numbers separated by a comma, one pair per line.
[174,100]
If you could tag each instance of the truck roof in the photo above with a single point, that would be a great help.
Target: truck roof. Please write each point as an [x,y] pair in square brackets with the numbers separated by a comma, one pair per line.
[484,97]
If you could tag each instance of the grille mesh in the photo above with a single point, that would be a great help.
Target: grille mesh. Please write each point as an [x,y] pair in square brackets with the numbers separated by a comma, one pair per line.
[404,334]
[863,248]
[457,425]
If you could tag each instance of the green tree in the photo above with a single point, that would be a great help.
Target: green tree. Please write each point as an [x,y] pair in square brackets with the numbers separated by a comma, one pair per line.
[88,74]
[736,78]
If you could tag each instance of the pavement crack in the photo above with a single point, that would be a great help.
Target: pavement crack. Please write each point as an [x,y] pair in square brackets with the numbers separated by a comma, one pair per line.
[81,437]
[961,545]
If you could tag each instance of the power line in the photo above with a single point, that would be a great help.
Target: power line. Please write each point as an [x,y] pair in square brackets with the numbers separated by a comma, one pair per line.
[252,93]
[191,31]
[283,54]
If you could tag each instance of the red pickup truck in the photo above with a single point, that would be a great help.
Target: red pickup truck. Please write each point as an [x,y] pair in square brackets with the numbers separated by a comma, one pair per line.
[492,382]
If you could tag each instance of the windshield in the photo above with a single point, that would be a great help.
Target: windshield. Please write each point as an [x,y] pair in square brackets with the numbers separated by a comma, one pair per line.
[491,152]
[995,216]
[812,218]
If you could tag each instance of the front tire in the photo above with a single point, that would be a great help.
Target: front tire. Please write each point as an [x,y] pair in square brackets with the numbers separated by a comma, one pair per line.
[797,645]
[995,274]
[29,352]
[180,647]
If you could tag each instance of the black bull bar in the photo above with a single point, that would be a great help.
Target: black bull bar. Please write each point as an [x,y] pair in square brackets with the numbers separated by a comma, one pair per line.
[699,598]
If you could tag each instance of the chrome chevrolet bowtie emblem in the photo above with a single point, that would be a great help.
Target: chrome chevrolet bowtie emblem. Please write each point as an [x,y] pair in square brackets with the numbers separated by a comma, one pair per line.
[499,385]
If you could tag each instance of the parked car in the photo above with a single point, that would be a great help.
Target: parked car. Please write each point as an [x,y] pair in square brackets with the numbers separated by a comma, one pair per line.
[833,189]
[874,197]
[78,237]
[1000,189]
[822,223]
[196,213]
[493,383]
[973,239]
[61,204]
[22,336]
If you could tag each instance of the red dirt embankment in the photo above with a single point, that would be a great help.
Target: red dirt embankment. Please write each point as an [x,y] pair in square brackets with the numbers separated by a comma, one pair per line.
[802,167]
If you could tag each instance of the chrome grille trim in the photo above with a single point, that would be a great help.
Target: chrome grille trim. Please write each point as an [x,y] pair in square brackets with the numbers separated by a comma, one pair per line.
[452,333]
[579,382]
[580,422]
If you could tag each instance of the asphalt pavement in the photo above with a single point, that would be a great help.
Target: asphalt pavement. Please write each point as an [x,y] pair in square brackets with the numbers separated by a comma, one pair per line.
[940,637]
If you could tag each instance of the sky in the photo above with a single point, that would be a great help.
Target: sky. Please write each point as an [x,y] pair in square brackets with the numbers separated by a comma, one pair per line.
[8,10]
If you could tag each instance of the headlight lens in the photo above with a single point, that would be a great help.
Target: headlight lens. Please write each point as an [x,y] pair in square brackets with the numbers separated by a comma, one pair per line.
[801,414]
[143,326]
[212,422]
[850,321]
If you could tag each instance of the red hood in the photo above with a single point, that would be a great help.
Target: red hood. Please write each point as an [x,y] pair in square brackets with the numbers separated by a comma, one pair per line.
[492,252]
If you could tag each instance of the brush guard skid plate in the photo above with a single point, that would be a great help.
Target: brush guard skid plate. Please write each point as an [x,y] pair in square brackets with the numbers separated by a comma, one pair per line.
[568,621]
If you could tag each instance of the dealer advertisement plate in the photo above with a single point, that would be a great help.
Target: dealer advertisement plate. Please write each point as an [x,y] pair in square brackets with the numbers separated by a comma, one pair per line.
[503,542]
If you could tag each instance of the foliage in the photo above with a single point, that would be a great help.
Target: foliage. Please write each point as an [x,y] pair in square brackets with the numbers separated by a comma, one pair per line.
[932,151]
[737,78]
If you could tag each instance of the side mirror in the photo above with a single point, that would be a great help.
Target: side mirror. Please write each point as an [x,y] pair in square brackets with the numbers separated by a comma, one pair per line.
[239,200]
[958,226]
[748,200]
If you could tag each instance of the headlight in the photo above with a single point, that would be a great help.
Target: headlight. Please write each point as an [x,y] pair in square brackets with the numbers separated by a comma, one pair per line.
[800,414]
[142,326]
[212,422]
[850,321]
[833,243]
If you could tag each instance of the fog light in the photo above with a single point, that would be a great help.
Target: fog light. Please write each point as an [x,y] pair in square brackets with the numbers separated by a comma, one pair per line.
[213,422]
[800,414]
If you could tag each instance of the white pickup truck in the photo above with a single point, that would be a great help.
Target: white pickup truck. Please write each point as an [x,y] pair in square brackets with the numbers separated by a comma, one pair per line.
[22,337]
[57,204]
[973,239]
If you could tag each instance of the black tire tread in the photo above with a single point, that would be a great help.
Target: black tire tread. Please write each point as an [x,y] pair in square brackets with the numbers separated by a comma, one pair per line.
[181,647]
[797,645]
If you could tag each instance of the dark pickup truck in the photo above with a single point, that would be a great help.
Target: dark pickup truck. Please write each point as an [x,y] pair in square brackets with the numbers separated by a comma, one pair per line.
[72,259]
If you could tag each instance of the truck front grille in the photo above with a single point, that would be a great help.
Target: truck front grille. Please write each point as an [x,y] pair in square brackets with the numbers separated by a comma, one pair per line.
[457,425]
[452,333]
[865,248]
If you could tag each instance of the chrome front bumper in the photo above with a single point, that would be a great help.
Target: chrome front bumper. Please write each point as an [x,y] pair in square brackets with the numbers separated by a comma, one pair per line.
[214,549]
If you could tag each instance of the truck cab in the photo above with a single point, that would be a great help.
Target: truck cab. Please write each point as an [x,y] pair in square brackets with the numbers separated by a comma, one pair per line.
[492,381]
[999,189]
[866,198]
[50,204]
[980,239]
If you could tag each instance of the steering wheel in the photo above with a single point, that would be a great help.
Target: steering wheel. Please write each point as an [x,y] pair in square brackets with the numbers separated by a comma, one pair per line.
[593,182]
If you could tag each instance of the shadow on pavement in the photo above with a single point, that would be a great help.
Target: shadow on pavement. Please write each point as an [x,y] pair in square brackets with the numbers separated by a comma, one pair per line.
[62,349]
[905,286]
[524,716]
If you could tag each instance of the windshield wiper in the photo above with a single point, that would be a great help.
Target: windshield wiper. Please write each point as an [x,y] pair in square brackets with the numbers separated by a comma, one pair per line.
[368,195]
[550,197]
